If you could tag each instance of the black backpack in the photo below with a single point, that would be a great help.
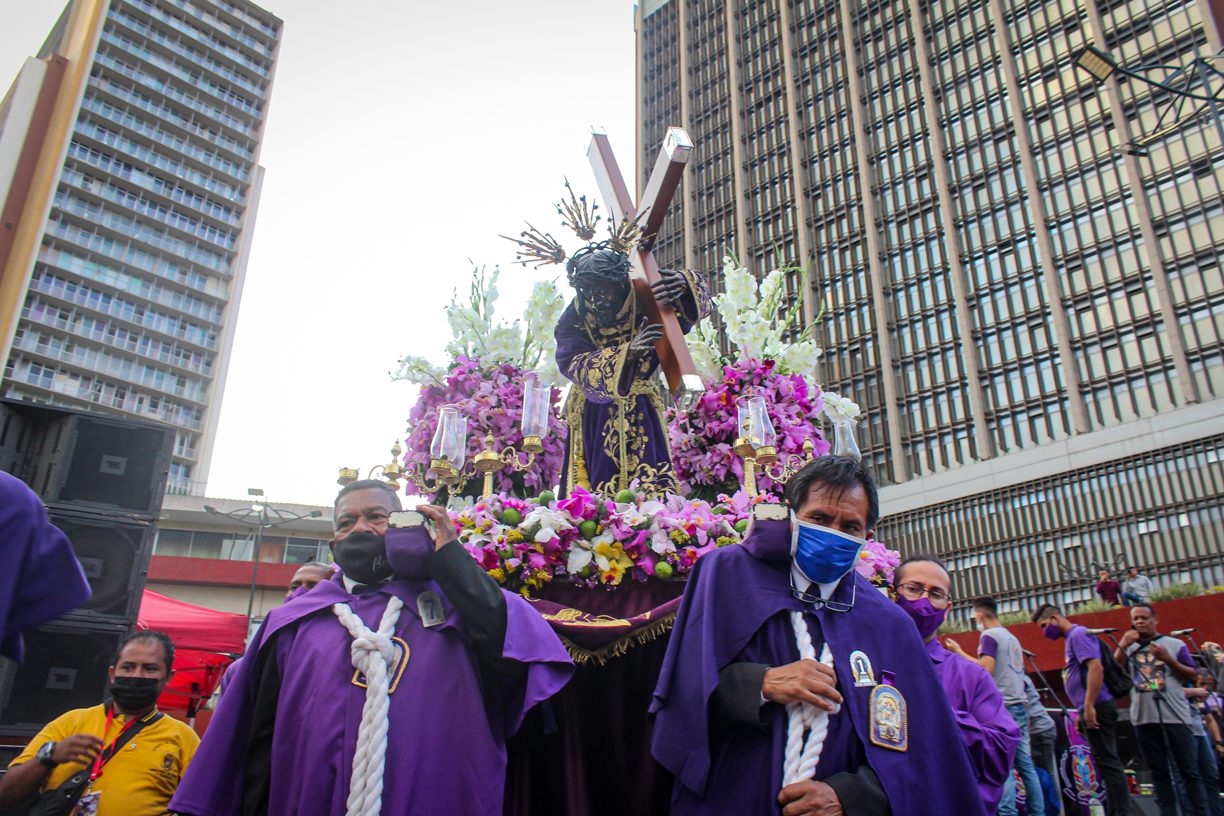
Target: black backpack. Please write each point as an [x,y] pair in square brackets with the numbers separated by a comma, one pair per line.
[1116,679]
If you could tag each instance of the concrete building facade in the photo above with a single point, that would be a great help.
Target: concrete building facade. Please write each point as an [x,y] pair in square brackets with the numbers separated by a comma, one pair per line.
[129,187]
[1005,273]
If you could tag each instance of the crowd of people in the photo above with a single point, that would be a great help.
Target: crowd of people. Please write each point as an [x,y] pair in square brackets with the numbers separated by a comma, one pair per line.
[790,685]
[1133,589]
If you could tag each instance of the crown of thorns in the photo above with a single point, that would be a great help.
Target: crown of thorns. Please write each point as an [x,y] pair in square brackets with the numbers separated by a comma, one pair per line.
[538,248]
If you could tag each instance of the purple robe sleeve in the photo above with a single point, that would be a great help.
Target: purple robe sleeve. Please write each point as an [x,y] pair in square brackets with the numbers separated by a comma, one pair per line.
[42,579]
[531,641]
[988,647]
[989,731]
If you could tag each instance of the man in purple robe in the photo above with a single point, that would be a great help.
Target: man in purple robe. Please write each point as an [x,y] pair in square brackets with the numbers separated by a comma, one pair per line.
[605,345]
[464,662]
[42,578]
[923,588]
[733,667]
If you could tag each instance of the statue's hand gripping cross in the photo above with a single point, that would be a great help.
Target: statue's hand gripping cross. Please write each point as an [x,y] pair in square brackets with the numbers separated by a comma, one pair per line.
[674,358]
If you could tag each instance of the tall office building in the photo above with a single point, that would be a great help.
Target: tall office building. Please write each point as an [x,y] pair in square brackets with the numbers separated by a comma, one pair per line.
[129,184]
[1023,267]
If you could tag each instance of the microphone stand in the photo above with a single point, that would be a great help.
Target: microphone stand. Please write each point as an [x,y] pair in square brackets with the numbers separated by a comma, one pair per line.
[1032,659]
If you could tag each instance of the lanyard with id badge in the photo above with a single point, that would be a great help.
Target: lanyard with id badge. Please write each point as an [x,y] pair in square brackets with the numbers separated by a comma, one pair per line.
[87,805]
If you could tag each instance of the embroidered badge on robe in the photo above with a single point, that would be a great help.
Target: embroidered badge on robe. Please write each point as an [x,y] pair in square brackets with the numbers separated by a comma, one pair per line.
[860,665]
[429,607]
[396,672]
[889,728]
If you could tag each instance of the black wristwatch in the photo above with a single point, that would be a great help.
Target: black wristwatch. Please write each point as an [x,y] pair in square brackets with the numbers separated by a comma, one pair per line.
[44,755]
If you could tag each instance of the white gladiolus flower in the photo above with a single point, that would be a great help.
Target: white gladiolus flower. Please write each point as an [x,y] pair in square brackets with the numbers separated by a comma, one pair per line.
[838,407]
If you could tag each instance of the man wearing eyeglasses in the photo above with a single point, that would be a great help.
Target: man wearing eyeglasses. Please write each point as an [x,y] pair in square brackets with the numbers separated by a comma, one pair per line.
[999,652]
[792,684]
[922,588]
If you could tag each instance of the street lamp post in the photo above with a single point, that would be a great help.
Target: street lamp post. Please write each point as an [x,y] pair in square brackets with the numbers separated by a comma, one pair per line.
[262,511]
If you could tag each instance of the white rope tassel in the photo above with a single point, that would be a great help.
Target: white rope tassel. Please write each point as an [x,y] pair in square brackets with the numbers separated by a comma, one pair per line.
[373,656]
[801,757]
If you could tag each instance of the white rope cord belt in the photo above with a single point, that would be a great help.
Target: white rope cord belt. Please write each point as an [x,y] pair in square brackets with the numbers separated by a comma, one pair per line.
[373,656]
[801,757]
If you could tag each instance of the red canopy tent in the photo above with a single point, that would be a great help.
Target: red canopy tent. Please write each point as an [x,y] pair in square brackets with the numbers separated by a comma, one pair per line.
[206,642]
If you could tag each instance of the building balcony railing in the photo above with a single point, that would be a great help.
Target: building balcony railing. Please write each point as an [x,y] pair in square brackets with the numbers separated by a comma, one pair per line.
[223,26]
[109,305]
[246,18]
[137,151]
[134,345]
[106,246]
[155,185]
[100,363]
[130,404]
[197,57]
[195,80]
[170,116]
[204,39]
[185,487]
[148,208]
[171,92]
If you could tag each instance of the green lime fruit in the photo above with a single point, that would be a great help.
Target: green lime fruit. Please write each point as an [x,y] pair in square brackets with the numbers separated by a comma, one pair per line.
[663,570]
[588,528]
[512,517]
[741,525]
[505,552]
[586,571]
[626,496]
[546,497]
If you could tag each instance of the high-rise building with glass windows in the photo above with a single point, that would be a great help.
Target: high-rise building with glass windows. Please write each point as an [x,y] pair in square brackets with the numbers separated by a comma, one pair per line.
[129,184]
[1022,268]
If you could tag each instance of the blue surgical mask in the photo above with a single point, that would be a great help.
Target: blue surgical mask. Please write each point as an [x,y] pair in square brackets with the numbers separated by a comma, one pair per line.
[823,554]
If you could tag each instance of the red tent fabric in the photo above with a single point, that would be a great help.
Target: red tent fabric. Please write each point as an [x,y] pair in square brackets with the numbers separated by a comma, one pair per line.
[206,642]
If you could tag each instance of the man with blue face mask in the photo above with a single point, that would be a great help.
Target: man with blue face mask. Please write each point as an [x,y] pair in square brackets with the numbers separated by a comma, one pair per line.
[792,685]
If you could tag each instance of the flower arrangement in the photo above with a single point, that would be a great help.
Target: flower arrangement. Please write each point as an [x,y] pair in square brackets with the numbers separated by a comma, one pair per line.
[702,440]
[491,397]
[489,364]
[756,324]
[878,563]
[593,541]
[476,337]
[837,407]
[765,363]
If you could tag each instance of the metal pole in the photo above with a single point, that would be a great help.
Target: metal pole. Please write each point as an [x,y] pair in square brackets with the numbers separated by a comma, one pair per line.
[1204,77]
[255,558]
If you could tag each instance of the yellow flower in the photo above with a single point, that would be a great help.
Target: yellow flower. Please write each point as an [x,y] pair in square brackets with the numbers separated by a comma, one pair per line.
[498,575]
[612,561]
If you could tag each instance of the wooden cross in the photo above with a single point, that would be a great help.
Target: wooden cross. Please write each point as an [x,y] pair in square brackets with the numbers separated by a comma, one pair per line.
[677,363]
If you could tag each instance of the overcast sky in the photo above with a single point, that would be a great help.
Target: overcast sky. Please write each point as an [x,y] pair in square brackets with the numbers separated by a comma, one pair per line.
[402,137]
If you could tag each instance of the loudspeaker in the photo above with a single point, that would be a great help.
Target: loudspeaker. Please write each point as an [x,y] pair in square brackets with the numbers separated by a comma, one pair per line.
[65,668]
[1144,804]
[86,460]
[114,553]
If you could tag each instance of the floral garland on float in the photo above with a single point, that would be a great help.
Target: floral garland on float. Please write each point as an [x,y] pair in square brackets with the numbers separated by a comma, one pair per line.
[597,542]
[492,366]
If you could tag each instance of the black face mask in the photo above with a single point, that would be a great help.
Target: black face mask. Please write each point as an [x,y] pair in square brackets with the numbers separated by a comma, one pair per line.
[363,558]
[135,693]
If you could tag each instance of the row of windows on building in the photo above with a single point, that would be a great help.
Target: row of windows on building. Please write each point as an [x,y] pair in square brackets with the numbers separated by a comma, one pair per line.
[239,546]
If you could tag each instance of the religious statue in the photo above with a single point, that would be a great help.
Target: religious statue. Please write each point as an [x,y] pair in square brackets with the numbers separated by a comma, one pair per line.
[606,346]
[627,322]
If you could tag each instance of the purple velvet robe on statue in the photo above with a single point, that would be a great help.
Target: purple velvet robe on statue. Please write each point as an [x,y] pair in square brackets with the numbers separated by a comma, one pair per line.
[42,578]
[593,358]
[991,734]
[736,609]
[446,743]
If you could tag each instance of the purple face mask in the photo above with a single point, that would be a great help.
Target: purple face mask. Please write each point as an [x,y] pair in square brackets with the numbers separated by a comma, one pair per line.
[1051,631]
[924,614]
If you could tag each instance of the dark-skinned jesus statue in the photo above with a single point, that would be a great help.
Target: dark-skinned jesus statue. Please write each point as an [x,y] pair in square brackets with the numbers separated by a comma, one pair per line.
[606,346]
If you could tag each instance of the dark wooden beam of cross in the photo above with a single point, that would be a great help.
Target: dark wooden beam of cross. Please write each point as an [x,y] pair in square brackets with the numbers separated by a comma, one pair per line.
[677,363]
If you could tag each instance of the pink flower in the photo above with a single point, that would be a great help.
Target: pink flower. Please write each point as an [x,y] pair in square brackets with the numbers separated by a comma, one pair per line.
[581,504]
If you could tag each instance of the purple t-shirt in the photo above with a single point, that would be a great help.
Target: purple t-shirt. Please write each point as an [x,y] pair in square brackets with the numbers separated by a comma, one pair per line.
[1081,646]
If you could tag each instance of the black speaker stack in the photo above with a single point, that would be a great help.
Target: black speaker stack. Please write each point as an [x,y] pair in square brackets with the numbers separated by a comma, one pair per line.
[102,479]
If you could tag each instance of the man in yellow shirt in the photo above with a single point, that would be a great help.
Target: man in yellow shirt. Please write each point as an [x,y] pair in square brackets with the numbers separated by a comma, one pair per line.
[144,772]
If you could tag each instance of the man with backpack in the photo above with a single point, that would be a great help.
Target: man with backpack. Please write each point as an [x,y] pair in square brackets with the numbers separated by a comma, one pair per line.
[1084,677]
[1162,669]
